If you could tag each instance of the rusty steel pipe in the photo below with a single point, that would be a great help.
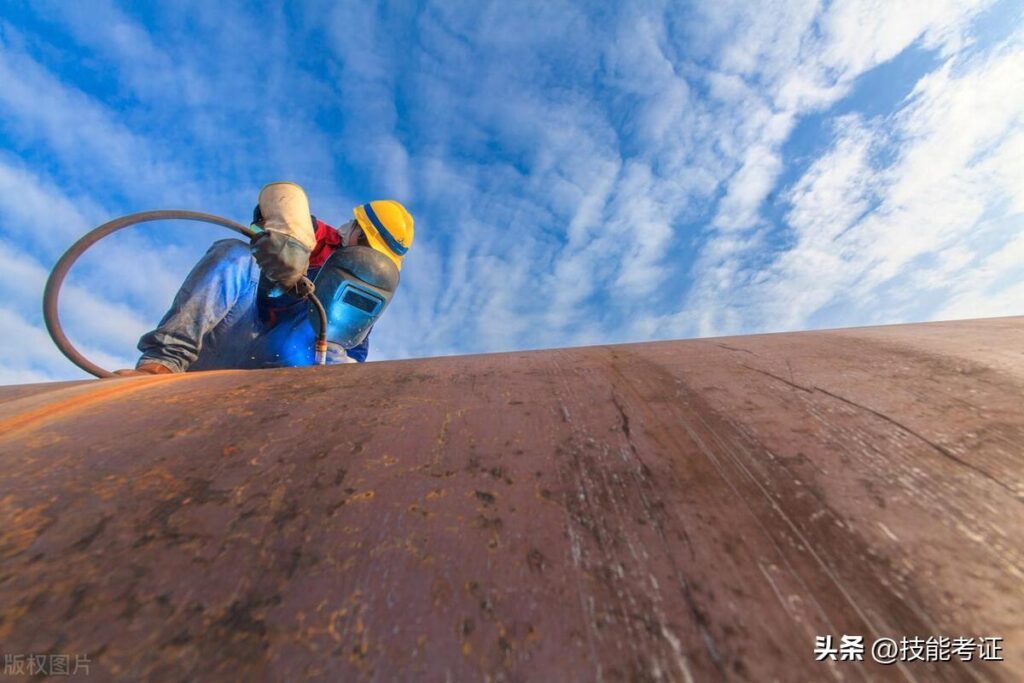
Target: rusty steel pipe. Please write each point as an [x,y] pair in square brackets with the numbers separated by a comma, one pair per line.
[696,510]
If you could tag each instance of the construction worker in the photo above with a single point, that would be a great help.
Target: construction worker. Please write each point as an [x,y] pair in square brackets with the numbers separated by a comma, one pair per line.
[242,305]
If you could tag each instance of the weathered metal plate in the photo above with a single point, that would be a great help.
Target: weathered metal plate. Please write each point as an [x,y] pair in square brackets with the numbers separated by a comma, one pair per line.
[693,510]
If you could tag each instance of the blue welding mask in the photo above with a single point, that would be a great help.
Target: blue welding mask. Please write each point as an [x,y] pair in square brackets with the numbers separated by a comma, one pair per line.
[355,285]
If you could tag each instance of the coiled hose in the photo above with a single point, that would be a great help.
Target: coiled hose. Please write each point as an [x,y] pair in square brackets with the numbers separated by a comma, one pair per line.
[53,284]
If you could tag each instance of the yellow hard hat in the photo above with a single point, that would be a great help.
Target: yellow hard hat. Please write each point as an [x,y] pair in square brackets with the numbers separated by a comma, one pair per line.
[388,227]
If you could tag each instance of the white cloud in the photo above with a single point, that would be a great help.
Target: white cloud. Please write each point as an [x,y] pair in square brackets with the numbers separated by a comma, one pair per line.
[804,58]
[749,187]
[28,355]
[84,315]
[81,131]
[859,34]
[992,287]
[622,197]
[865,234]
[35,210]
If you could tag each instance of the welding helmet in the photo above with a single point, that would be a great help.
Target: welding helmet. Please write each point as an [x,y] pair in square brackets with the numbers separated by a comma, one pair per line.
[354,285]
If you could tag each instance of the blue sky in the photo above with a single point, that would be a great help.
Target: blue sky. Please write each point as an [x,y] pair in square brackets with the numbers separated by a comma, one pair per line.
[580,172]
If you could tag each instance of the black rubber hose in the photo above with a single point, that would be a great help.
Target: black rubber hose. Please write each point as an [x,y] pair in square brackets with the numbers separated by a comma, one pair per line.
[320,348]
[51,294]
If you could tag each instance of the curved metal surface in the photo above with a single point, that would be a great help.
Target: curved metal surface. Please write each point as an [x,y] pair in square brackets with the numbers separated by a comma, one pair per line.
[694,510]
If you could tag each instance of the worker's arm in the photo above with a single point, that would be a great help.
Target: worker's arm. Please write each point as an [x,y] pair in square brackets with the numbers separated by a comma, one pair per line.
[211,290]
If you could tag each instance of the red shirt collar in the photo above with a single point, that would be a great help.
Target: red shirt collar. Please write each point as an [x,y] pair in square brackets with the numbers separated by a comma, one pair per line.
[327,240]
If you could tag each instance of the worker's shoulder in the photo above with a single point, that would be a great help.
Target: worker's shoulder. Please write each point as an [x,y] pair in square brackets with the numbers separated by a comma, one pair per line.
[229,258]
[230,248]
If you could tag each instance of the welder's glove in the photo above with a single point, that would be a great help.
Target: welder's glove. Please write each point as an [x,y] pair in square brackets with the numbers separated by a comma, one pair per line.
[283,259]
[286,233]
[336,354]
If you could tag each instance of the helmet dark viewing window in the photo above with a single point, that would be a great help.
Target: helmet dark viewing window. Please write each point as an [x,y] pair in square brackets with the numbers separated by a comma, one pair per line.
[363,303]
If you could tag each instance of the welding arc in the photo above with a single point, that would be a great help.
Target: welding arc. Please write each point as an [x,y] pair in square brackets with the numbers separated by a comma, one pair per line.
[53,284]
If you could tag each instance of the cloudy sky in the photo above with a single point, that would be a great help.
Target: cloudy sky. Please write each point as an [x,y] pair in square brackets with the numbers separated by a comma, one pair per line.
[580,172]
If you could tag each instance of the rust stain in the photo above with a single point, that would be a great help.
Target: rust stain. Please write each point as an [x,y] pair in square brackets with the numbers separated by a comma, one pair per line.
[670,511]
[23,525]
[104,390]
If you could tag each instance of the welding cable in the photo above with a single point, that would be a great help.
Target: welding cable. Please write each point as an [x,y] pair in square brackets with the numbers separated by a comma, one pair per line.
[53,284]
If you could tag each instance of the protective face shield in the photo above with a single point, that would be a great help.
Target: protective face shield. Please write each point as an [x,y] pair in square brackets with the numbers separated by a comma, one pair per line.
[355,285]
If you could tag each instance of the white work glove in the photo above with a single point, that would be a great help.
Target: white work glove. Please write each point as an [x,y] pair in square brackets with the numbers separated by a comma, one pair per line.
[282,248]
[336,354]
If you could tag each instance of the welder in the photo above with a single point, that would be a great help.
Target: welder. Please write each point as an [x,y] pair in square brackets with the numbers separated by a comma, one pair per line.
[245,306]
